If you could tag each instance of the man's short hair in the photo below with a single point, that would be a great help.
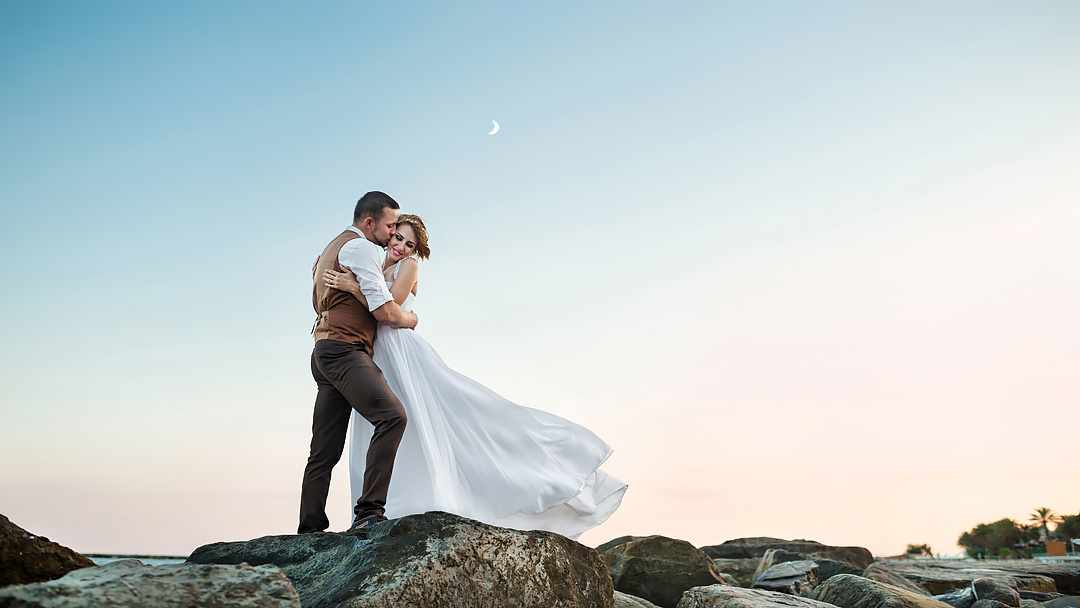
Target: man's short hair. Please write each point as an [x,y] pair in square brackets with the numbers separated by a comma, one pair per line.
[372,205]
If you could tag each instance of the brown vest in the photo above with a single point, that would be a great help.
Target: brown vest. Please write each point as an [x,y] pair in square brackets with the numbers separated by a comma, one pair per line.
[342,317]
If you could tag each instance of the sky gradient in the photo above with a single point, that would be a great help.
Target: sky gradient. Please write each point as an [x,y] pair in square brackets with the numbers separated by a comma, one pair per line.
[810,268]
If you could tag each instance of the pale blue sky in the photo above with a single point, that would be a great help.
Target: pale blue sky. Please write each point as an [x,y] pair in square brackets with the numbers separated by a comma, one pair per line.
[720,234]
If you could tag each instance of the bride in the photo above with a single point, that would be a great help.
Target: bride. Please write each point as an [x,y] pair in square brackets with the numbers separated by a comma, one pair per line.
[466,450]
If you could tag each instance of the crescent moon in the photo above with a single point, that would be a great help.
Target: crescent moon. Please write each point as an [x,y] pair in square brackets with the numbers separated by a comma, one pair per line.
[495,130]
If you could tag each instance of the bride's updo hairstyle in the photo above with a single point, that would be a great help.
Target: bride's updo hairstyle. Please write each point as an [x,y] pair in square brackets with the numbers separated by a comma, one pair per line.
[417,224]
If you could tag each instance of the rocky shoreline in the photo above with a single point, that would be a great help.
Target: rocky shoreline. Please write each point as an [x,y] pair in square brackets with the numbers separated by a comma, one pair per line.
[440,560]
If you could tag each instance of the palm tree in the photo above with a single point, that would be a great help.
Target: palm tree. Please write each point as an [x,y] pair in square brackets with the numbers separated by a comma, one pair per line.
[1042,517]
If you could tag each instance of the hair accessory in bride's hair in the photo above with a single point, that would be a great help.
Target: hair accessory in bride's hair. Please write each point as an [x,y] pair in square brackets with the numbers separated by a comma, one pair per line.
[422,249]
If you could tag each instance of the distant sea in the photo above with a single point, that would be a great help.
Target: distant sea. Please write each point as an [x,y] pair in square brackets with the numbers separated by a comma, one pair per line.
[149,560]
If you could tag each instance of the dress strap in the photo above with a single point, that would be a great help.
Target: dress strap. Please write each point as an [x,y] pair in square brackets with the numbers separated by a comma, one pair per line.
[397,267]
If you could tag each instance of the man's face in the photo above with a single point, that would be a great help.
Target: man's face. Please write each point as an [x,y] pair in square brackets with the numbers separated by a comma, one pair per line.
[384,227]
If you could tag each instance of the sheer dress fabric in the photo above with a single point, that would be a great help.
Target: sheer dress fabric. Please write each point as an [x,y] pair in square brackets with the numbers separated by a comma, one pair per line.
[468,451]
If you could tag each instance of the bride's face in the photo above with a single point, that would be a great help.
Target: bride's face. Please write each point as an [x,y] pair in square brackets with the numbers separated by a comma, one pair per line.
[402,244]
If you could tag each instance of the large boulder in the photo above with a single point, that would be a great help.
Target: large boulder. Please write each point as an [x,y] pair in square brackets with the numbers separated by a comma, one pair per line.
[132,584]
[850,591]
[27,558]
[742,570]
[433,560]
[719,596]
[942,577]
[795,578]
[741,548]
[659,569]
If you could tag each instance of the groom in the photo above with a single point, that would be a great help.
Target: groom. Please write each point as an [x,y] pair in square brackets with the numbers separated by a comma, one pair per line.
[341,364]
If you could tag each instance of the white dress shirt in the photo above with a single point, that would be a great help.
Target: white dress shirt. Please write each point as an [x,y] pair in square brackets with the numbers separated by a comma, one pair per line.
[365,260]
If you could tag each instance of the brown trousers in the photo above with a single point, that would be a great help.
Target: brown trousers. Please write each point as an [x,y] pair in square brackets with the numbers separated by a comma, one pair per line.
[348,380]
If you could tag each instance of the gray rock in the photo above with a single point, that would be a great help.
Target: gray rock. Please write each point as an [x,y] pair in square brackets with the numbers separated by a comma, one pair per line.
[850,591]
[615,542]
[741,569]
[883,573]
[659,569]
[1039,596]
[795,578]
[742,548]
[433,560]
[625,600]
[720,596]
[772,557]
[729,580]
[1029,604]
[827,568]
[1066,577]
[990,604]
[997,590]
[133,584]
[1062,602]
[963,597]
[28,558]
[942,577]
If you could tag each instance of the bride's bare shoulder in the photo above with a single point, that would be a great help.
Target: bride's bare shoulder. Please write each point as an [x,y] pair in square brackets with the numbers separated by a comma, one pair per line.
[410,270]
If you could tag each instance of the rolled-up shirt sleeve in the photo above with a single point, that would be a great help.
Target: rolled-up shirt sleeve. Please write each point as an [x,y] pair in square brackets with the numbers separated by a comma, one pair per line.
[364,259]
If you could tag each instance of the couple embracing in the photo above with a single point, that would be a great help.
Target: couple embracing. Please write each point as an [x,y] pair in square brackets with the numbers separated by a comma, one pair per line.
[424,437]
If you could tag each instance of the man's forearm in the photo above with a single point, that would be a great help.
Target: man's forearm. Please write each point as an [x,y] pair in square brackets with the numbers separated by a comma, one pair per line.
[393,315]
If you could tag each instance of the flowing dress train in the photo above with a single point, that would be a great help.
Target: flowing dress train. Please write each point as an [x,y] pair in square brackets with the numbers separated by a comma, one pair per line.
[468,451]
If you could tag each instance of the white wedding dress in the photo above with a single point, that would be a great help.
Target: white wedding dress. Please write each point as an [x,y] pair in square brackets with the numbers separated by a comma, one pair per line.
[468,451]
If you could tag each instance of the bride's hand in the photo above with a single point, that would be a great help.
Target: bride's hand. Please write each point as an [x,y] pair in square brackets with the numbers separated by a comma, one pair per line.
[345,281]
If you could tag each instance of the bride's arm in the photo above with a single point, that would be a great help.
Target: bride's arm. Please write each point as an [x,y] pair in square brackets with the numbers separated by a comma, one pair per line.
[408,273]
[345,281]
[403,284]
